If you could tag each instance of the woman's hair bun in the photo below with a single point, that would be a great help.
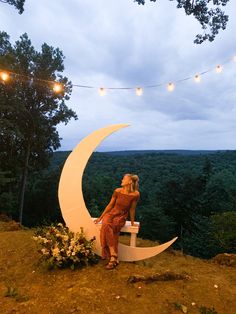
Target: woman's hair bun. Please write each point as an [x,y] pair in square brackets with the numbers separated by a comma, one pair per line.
[135,177]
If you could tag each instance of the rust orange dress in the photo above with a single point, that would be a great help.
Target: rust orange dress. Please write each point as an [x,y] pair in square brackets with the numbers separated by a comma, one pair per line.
[114,220]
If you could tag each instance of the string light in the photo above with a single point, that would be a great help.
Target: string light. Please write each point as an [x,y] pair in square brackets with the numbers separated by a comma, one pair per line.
[219,68]
[197,78]
[139,91]
[4,76]
[170,87]
[102,91]
[57,88]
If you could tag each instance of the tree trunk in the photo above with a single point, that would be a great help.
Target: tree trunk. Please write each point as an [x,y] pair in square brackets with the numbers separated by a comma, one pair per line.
[23,182]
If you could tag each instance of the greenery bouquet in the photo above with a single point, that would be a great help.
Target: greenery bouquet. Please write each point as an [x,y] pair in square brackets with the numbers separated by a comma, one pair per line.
[62,248]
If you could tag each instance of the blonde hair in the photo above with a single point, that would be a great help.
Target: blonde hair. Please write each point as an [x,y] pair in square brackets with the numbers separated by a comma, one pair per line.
[135,180]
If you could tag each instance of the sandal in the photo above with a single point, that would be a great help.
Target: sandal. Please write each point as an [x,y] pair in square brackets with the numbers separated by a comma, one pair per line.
[112,264]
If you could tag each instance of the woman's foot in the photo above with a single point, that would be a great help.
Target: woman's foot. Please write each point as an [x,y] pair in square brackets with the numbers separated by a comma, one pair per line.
[113,262]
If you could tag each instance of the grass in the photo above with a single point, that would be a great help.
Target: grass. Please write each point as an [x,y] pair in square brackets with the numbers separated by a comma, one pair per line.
[27,287]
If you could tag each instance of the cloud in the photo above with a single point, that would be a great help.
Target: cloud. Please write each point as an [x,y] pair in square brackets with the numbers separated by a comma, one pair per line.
[122,44]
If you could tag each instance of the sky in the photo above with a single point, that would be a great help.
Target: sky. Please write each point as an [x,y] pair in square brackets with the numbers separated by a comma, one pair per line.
[123,44]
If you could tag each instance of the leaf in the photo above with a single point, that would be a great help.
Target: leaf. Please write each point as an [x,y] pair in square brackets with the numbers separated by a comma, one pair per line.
[184,308]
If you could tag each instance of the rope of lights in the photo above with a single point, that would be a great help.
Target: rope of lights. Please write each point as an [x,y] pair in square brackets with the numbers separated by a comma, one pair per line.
[57,87]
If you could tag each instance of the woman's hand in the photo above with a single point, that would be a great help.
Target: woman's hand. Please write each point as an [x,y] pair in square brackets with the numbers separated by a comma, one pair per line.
[96,221]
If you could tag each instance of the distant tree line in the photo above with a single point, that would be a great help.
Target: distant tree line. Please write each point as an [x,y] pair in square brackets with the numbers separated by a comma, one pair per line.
[192,197]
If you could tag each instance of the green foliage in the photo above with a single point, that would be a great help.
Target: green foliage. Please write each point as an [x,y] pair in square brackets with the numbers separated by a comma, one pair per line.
[155,224]
[29,111]
[224,230]
[181,199]
[176,195]
[8,199]
[18,4]
[181,307]
[11,292]
[41,202]
[62,248]
[208,13]
[207,310]
[220,193]
[200,241]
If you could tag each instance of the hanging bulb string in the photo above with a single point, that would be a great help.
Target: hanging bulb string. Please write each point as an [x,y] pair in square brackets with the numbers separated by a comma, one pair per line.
[5,74]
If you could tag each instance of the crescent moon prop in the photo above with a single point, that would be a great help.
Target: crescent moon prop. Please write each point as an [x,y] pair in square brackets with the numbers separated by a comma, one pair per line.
[72,204]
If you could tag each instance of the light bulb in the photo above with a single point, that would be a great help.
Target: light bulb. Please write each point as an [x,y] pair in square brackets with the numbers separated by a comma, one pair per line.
[170,87]
[4,76]
[139,91]
[102,91]
[197,78]
[219,68]
[57,88]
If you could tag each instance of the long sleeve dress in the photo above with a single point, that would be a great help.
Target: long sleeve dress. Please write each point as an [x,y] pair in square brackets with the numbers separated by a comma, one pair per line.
[114,220]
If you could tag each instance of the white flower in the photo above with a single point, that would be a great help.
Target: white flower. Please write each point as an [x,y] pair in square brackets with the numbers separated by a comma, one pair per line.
[44,251]
[73,253]
[65,237]
[60,224]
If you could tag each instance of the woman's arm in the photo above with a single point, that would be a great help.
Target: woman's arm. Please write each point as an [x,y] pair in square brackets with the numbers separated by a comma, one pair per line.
[132,210]
[108,208]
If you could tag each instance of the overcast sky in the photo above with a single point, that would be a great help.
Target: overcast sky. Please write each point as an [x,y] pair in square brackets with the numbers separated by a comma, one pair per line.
[118,43]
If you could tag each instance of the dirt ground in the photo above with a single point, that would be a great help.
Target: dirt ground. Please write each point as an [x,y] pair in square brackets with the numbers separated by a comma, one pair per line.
[96,290]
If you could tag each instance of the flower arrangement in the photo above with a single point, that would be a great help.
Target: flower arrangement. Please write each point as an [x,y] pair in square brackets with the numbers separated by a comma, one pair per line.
[62,248]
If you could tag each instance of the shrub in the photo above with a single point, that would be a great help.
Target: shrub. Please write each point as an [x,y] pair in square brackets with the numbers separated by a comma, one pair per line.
[62,248]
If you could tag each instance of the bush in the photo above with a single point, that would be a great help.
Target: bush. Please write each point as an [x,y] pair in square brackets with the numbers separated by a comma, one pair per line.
[62,248]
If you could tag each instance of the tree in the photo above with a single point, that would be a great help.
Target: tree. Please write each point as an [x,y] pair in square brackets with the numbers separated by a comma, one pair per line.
[220,193]
[202,241]
[30,110]
[155,224]
[19,4]
[207,12]
[225,230]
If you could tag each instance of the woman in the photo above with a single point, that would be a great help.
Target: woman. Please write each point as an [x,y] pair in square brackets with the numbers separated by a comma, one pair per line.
[123,203]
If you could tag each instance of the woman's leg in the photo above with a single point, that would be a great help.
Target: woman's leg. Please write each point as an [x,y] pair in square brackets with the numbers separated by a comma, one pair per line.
[106,237]
[112,251]
[109,241]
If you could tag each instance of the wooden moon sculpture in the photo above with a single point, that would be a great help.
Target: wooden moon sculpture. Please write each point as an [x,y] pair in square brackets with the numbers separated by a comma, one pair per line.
[73,208]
